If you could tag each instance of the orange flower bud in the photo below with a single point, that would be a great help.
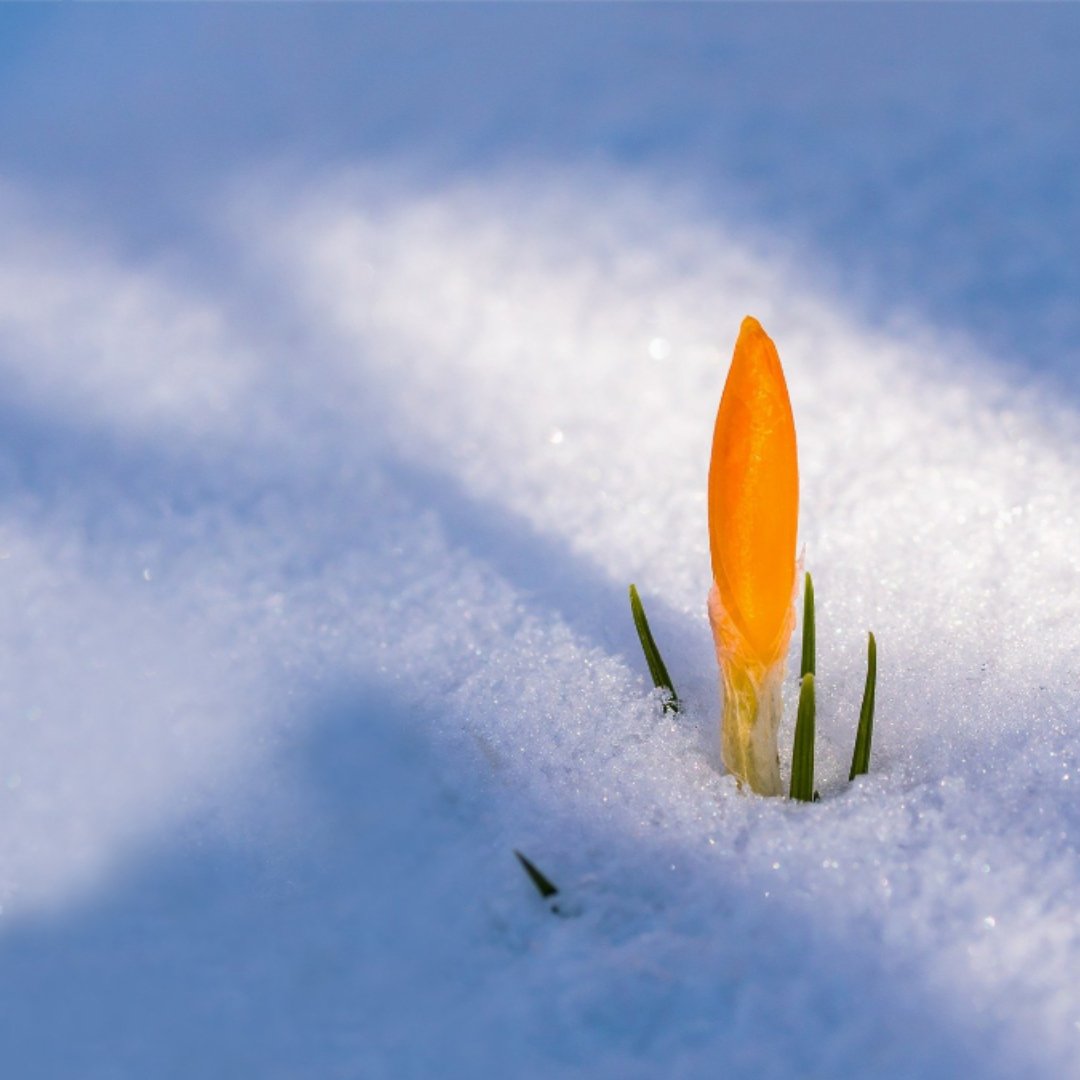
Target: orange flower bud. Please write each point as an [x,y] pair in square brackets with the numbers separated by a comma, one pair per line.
[753,521]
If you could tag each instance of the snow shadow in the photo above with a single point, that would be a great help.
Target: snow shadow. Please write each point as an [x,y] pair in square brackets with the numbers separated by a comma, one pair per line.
[541,567]
[124,489]
[386,931]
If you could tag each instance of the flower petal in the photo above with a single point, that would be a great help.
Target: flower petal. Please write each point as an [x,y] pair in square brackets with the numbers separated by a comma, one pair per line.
[754,497]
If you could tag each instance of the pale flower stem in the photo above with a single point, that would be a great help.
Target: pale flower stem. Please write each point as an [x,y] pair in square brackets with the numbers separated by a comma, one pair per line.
[752,710]
[748,733]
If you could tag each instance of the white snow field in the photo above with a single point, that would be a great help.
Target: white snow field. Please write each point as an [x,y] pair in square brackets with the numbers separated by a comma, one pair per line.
[320,499]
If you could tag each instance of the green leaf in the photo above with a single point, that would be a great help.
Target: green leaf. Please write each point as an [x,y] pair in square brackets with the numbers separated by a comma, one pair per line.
[809,638]
[543,885]
[657,670]
[802,754]
[860,760]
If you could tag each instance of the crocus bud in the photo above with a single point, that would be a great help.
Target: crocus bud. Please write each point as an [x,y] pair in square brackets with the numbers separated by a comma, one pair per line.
[753,520]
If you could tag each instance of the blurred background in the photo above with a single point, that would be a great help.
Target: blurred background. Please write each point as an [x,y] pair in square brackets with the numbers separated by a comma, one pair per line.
[924,158]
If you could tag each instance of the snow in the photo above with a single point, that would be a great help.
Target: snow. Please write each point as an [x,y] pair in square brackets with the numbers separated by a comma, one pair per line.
[319,514]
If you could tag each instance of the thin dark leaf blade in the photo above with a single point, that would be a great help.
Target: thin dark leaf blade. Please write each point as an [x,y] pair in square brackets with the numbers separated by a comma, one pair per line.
[809,634]
[657,668]
[802,755]
[543,884]
[860,759]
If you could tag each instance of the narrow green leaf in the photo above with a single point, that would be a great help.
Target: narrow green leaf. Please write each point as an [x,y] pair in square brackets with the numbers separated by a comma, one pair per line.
[860,760]
[657,670]
[802,754]
[543,885]
[809,637]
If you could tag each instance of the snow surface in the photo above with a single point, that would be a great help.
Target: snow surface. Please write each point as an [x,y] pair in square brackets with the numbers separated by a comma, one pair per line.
[317,529]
